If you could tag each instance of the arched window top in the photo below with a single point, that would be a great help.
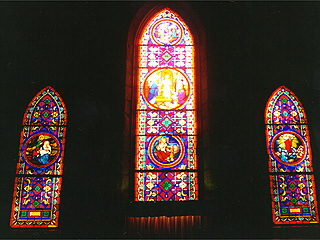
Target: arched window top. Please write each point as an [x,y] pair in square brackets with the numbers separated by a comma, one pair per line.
[166,28]
[287,124]
[166,125]
[39,170]
[166,52]
[45,119]
[292,184]
[46,108]
[283,107]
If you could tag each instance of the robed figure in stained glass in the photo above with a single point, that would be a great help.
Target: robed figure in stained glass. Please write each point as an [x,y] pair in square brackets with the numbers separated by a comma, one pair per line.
[36,195]
[166,134]
[290,160]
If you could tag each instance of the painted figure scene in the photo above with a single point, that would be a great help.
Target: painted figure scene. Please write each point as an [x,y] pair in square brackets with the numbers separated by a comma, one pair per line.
[166,89]
[41,149]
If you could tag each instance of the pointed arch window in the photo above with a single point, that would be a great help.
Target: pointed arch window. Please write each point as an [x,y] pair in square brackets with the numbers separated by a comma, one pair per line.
[292,182]
[166,166]
[36,195]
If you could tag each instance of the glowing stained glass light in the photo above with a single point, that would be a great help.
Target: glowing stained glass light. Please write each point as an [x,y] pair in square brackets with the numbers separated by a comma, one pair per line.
[292,182]
[39,172]
[166,135]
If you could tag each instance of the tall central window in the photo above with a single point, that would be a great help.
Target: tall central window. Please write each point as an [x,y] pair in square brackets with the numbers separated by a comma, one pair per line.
[166,127]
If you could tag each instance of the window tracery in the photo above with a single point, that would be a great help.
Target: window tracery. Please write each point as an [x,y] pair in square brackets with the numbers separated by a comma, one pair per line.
[166,128]
[39,169]
[292,182]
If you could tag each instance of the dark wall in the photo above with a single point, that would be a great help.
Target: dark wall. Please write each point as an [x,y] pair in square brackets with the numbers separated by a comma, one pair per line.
[79,48]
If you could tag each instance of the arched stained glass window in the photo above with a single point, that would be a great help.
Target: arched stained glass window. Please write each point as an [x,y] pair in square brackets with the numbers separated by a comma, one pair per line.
[166,128]
[39,171]
[292,182]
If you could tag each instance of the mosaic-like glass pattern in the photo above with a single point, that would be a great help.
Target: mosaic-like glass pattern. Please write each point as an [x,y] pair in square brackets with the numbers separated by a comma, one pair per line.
[166,122]
[37,187]
[290,160]
[46,108]
[166,116]
[41,150]
[284,108]
[166,152]
[293,199]
[36,202]
[289,148]
[166,186]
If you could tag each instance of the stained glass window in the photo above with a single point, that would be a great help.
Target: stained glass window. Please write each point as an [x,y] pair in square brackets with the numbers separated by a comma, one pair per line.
[166,127]
[36,195]
[292,182]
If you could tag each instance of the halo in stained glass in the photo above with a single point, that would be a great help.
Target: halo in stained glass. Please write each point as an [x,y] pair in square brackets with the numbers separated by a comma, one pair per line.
[166,31]
[39,169]
[41,150]
[166,151]
[166,89]
[166,125]
[166,28]
[289,148]
[293,194]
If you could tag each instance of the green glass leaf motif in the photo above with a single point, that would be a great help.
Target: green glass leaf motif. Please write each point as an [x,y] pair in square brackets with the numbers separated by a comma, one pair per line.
[46,213]
[294,201]
[292,186]
[37,188]
[24,213]
[166,185]
[46,114]
[166,122]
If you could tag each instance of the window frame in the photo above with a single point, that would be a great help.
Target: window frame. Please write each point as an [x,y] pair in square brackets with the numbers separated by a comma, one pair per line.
[146,12]
[274,173]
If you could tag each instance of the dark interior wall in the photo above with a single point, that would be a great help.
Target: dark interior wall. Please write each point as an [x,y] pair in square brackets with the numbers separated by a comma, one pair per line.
[79,48]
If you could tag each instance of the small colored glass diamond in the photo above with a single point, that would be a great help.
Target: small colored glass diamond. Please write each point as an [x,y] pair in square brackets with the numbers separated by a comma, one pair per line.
[36,203]
[45,114]
[294,201]
[37,188]
[292,185]
[166,122]
[166,56]
[166,185]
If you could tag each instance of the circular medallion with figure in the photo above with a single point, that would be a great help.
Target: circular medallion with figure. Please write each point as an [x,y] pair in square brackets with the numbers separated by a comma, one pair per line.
[166,31]
[166,151]
[41,150]
[166,89]
[289,148]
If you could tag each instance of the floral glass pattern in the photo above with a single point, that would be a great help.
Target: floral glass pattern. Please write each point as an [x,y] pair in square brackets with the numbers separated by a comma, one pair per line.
[166,133]
[292,182]
[39,171]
